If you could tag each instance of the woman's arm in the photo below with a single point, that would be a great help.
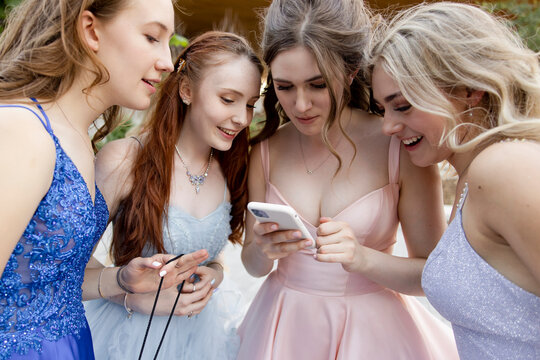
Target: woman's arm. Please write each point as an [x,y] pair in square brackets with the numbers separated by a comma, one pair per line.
[501,215]
[27,160]
[263,242]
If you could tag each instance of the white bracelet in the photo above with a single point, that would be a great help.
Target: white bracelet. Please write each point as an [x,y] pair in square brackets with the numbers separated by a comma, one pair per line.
[128,309]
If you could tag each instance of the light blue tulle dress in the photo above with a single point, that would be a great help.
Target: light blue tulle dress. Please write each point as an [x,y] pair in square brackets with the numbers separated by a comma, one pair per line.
[492,317]
[209,335]
[41,309]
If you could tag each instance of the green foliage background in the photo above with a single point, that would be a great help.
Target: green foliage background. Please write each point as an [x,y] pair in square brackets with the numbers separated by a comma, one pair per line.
[523,15]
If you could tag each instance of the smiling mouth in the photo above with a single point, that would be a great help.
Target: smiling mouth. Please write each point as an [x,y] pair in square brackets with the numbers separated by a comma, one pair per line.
[148,82]
[228,132]
[412,141]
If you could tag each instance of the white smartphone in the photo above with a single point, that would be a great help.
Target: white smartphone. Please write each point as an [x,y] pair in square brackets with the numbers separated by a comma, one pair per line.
[283,215]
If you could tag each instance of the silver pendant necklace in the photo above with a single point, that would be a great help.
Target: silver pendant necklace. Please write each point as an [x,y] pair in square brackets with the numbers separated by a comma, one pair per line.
[196,180]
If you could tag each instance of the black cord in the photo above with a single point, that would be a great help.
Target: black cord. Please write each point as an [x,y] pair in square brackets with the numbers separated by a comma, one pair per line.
[169,320]
[154,308]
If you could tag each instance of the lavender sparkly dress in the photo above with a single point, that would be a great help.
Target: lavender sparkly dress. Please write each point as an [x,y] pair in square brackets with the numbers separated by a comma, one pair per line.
[492,317]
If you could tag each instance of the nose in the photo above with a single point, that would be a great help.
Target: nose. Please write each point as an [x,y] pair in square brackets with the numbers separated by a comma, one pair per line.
[303,101]
[164,62]
[243,117]
[391,126]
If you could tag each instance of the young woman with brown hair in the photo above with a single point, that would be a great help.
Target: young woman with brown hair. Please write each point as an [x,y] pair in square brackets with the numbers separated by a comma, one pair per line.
[178,187]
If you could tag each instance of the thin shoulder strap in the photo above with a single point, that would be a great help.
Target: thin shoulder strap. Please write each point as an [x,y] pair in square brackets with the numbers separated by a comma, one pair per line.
[225,191]
[393,160]
[265,159]
[139,141]
[46,124]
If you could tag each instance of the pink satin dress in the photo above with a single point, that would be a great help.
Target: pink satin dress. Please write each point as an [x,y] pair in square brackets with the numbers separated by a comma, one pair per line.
[307,309]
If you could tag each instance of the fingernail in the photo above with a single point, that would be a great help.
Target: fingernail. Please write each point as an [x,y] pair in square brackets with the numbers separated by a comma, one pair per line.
[163,273]
[192,276]
[156,263]
[297,234]
[274,227]
[308,242]
[213,282]
[216,289]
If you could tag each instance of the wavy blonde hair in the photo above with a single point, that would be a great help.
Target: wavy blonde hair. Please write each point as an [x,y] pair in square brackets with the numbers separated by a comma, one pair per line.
[42,51]
[432,49]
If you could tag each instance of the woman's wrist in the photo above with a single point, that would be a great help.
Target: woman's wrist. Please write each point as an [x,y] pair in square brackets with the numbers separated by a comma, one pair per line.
[120,281]
[218,268]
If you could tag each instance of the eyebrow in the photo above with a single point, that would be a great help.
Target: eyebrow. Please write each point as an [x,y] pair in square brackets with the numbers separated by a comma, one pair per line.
[392,96]
[239,93]
[162,26]
[317,77]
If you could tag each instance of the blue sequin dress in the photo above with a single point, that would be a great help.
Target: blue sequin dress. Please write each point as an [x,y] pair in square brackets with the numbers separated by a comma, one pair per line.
[492,317]
[41,310]
[210,335]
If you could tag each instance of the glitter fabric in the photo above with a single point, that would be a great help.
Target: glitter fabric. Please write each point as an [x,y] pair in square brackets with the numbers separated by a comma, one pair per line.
[492,317]
[41,310]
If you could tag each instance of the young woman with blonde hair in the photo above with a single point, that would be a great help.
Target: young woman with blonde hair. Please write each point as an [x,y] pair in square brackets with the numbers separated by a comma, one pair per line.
[456,84]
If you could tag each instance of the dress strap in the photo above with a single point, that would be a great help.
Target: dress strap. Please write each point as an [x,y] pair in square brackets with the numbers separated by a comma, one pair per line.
[225,191]
[463,196]
[265,159]
[46,124]
[393,160]
[137,139]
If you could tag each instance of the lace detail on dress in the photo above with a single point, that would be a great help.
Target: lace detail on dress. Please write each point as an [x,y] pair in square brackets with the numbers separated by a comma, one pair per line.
[40,289]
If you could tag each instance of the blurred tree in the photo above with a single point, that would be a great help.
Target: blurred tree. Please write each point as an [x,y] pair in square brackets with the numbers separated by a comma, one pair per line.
[524,16]
[5,5]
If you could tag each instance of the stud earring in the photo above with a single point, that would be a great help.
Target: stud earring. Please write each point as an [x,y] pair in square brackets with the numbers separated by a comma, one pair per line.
[187,102]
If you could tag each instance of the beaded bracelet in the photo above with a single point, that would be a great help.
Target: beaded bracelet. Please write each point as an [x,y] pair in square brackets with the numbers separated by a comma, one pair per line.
[128,309]
[119,281]
[99,284]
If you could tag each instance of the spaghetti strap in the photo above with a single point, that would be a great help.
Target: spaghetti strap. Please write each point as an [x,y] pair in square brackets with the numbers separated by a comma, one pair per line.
[265,159]
[225,192]
[137,139]
[393,160]
[46,124]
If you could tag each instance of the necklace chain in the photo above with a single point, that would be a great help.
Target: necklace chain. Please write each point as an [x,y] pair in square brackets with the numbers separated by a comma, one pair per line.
[308,171]
[85,140]
[196,180]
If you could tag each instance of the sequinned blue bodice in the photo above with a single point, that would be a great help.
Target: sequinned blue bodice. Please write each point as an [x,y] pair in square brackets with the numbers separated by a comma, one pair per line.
[40,289]
[492,317]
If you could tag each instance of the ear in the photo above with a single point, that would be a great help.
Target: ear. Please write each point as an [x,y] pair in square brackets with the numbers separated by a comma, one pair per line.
[87,23]
[184,90]
[474,97]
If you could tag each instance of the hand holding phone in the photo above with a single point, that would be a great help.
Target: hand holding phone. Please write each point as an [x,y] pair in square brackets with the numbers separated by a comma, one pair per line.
[283,215]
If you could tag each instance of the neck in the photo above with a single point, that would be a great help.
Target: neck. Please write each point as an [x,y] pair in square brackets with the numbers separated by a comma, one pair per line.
[193,151]
[81,109]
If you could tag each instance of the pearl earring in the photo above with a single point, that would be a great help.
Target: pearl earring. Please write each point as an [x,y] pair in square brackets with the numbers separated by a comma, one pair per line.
[187,102]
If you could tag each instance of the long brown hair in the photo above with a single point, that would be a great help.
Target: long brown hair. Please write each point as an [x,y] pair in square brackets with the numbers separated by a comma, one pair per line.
[337,33]
[42,51]
[140,218]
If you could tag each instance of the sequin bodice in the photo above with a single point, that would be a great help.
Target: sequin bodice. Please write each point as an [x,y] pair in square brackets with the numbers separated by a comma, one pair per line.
[40,288]
[184,233]
[492,317]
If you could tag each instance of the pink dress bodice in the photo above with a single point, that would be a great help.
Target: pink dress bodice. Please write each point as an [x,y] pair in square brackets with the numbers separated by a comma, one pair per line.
[373,218]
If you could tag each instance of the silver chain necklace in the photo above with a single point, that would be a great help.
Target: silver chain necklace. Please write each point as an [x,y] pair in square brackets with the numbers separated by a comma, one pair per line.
[196,180]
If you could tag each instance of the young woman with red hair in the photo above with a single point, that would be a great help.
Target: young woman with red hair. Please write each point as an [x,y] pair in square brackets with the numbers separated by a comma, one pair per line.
[178,187]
